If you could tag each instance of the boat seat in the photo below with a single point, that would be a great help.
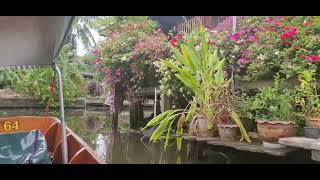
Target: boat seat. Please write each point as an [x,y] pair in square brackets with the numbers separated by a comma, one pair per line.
[73,147]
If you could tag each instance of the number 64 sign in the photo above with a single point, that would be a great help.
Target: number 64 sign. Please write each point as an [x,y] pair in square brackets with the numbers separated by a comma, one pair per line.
[10,126]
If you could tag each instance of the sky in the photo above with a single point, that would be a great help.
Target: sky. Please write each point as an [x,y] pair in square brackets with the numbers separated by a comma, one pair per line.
[81,50]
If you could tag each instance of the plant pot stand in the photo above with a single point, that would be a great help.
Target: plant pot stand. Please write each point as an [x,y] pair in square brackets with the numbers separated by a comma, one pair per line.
[273,145]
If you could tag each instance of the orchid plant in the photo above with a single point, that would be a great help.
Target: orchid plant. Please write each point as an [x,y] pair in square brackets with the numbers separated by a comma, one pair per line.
[203,72]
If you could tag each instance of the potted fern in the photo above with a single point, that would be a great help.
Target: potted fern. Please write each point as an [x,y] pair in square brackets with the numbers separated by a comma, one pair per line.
[203,72]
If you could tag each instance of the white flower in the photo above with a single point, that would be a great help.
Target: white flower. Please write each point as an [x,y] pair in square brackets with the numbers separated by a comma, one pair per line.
[276,53]
[236,48]
[169,92]
[261,57]
[124,58]
[197,47]
[181,89]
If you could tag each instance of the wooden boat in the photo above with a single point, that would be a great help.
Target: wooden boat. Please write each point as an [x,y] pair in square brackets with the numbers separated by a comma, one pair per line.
[35,41]
[79,152]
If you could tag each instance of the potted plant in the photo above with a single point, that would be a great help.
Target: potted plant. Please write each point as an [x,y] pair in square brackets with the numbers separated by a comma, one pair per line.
[273,111]
[243,105]
[203,72]
[308,103]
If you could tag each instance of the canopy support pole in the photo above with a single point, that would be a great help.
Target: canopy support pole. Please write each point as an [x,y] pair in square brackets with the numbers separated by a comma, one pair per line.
[63,125]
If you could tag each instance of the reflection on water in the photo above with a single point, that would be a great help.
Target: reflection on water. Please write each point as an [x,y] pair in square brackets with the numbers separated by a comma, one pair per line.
[101,146]
[128,147]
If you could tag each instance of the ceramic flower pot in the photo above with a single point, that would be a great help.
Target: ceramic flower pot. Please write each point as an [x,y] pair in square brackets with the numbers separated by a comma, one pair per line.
[314,122]
[271,131]
[248,124]
[229,132]
[311,132]
[199,127]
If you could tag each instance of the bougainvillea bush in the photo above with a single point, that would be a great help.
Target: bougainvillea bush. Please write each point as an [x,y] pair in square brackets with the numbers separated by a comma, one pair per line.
[125,58]
[263,46]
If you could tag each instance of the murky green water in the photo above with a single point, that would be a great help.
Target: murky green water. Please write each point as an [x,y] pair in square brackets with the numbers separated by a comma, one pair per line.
[128,147]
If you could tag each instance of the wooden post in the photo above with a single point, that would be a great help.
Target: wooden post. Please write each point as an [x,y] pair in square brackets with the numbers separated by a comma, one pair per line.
[165,103]
[115,115]
[115,136]
[136,114]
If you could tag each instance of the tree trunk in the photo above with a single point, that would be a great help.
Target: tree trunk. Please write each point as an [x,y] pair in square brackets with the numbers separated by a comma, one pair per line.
[136,115]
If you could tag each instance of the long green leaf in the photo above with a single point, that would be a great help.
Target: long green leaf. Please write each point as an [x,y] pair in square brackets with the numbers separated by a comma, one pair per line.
[219,74]
[179,138]
[243,131]
[177,55]
[158,118]
[195,58]
[170,65]
[213,59]
[162,128]
[168,136]
[187,60]
[190,84]
[205,47]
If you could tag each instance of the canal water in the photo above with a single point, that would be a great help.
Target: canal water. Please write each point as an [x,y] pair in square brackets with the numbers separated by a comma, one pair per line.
[94,127]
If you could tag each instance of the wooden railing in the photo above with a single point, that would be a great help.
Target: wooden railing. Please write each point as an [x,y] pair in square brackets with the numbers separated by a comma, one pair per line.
[188,25]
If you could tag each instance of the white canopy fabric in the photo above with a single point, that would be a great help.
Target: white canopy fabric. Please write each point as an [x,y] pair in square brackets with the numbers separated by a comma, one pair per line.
[31,40]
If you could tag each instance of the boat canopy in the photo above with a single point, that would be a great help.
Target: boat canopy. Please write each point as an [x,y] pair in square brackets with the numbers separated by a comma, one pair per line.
[31,41]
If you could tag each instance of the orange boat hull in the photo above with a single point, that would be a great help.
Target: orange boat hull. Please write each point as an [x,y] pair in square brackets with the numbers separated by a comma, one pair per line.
[79,152]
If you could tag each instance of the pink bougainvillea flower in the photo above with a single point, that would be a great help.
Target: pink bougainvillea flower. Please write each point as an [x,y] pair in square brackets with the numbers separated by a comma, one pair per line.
[285,28]
[159,30]
[173,42]
[288,34]
[235,37]
[243,60]
[212,32]
[95,52]
[307,23]
[133,56]
[97,61]
[110,101]
[266,19]
[313,58]
[271,30]
[179,35]
[212,42]
[276,23]
[118,72]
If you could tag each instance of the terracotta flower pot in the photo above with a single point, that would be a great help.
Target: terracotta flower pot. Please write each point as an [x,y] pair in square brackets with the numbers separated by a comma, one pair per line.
[314,122]
[199,127]
[229,132]
[271,131]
